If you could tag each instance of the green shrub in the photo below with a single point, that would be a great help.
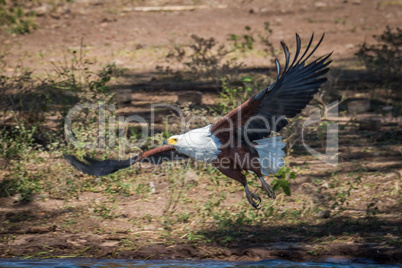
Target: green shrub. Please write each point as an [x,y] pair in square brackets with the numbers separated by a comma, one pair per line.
[20,181]
[17,143]
[204,59]
[384,59]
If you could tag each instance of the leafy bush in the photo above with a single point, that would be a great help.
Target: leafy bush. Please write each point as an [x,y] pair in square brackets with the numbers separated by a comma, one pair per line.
[16,143]
[20,181]
[232,96]
[76,76]
[384,59]
[202,60]
[23,99]
[27,100]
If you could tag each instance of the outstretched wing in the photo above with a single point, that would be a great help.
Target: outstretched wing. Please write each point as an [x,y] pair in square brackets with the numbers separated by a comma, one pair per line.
[287,96]
[108,166]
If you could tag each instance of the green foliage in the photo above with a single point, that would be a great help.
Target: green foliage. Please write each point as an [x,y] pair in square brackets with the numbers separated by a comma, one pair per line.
[183,217]
[371,210]
[244,42]
[14,19]
[23,98]
[231,97]
[282,180]
[195,237]
[202,60]
[230,220]
[17,143]
[20,181]
[247,42]
[104,211]
[342,194]
[265,39]
[27,101]
[75,75]
[384,59]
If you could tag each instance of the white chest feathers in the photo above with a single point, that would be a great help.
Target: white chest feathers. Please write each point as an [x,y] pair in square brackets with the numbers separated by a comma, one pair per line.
[199,144]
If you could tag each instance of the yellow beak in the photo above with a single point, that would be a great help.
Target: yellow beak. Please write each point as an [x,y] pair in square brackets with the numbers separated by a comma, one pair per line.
[172,141]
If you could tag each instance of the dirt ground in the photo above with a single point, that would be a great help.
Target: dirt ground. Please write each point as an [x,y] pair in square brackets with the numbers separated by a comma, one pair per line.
[113,32]
[138,41]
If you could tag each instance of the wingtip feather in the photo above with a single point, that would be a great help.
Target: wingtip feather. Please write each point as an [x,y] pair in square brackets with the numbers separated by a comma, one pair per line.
[287,55]
[278,68]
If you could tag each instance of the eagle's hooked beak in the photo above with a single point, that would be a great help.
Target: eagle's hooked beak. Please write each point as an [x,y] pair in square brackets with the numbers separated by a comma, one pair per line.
[170,141]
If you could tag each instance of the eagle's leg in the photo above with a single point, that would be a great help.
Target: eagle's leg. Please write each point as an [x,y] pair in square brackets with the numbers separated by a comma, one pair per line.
[237,175]
[267,188]
[252,198]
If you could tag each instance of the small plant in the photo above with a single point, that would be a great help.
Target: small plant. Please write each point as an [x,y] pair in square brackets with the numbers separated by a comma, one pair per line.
[231,97]
[17,143]
[245,42]
[20,181]
[265,40]
[384,59]
[341,195]
[23,99]
[183,217]
[76,76]
[104,211]
[282,180]
[202,60]
[371,210]
[194,237]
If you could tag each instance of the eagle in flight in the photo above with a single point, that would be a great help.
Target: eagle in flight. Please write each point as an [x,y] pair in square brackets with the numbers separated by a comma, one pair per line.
[240,141]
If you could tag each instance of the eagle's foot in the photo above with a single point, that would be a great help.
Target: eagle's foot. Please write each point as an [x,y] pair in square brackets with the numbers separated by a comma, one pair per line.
[267,188]
[252,198]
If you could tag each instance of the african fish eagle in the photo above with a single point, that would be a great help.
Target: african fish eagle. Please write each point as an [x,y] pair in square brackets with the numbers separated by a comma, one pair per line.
[240,141]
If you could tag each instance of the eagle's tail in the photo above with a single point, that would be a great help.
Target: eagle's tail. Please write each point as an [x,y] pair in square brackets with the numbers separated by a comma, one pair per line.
[270,154]
[98,167]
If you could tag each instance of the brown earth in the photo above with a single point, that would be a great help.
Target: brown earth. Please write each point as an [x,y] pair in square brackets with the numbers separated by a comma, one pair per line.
[138,41]
[111,32]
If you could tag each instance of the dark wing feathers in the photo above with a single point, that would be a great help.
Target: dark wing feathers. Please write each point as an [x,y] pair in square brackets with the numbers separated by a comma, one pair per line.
[315,48]
[286,97]
[104,167]
[98,167]
[298,44]
[287,54]
[278,69]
